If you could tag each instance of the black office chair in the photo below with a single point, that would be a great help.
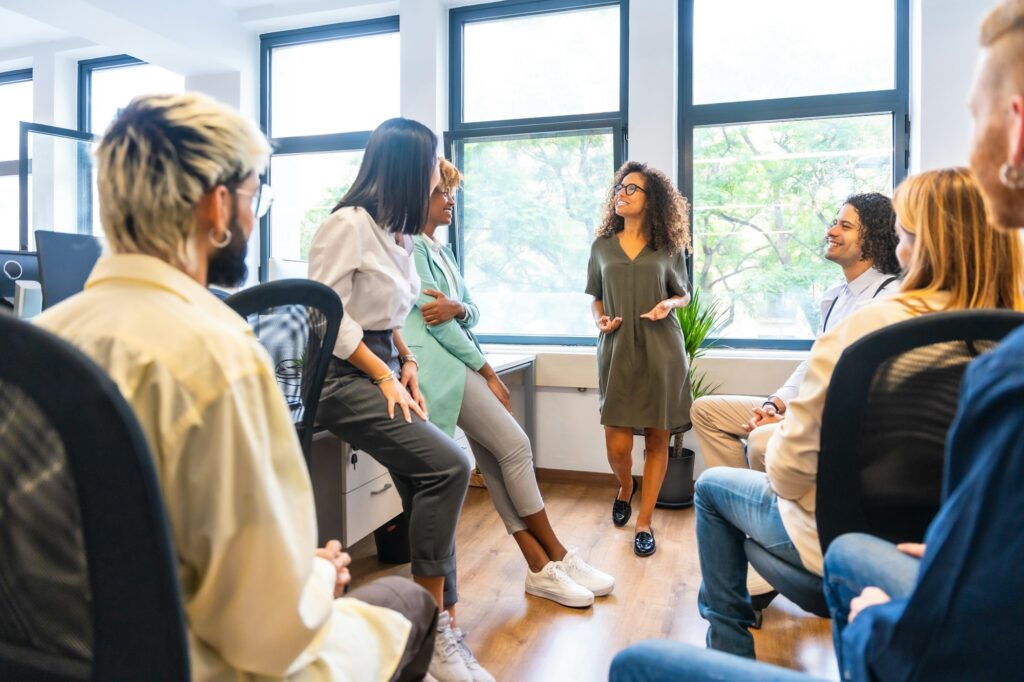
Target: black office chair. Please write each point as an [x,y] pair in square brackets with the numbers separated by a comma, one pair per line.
[297,321]
[890,403]
[88,582]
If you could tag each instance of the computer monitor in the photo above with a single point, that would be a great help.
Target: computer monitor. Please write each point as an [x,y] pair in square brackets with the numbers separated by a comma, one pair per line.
[65,261]
[15,265]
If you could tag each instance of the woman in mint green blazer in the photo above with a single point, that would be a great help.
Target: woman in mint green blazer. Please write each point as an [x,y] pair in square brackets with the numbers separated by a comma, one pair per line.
[461,389]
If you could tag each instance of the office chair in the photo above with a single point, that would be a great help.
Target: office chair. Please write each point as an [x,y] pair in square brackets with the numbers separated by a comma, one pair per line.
[889,405]
[297,321]
[88,582]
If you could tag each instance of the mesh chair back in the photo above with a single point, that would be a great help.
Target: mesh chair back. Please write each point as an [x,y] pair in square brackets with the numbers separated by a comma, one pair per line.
[88,583]
[297,321]
[890,403]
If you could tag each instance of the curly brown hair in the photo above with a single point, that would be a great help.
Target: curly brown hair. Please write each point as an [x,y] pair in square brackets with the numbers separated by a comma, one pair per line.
[667,217]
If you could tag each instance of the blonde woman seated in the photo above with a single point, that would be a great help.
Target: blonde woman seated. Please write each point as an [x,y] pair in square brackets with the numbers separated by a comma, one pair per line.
[462,388]
[953,261]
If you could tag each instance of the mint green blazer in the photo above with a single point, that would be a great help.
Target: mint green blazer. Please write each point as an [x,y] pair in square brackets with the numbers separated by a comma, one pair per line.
[443,350]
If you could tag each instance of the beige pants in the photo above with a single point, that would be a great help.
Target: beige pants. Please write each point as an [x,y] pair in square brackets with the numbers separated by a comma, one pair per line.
[718,424]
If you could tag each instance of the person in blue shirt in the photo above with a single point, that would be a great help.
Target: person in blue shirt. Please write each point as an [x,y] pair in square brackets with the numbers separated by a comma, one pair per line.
[959,621]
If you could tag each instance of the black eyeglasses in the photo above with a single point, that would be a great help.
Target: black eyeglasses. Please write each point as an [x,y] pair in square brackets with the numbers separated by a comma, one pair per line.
[631,189]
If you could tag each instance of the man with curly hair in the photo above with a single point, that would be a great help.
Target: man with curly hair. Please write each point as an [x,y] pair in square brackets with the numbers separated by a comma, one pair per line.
[862,241]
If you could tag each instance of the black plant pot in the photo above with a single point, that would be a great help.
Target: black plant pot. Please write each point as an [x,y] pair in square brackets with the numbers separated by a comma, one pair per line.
[677,490]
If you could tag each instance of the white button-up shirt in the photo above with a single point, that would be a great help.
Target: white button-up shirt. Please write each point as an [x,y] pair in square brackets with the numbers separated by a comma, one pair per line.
[838,302]
[375,277]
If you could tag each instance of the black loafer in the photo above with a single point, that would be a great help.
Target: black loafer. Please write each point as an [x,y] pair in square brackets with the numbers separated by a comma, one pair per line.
[643,544]
[621,511]
[760,602]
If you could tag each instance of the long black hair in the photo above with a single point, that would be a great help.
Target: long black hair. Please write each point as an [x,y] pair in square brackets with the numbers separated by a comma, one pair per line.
[393,183]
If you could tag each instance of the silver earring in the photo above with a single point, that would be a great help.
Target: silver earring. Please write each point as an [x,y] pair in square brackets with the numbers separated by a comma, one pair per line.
[1012,176]
[220,244]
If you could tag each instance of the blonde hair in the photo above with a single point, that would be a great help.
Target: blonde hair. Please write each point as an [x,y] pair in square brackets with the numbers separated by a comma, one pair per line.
[1008,16]
[955,249]
[158,159]
[451,178]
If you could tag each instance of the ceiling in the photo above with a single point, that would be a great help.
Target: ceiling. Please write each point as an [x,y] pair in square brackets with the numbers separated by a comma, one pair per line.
[17,30]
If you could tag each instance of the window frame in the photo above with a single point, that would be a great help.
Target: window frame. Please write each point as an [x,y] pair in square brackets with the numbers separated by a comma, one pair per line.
[307,144]
[895,101]
[86,67]
[9,167]
[461,131]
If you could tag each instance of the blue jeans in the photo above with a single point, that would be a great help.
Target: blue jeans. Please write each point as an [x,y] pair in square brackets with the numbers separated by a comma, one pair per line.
[658,660]
[855,561]
[733,504]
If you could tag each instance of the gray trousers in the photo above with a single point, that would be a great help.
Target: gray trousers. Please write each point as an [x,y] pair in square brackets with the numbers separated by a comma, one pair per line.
[416,604]
[430,472]
[502,452]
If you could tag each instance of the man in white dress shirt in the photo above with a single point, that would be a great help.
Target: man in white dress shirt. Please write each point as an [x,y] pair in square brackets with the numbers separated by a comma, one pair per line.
[862,241]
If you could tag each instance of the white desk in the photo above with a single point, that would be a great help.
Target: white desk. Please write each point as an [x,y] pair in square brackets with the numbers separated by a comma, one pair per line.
[354,493]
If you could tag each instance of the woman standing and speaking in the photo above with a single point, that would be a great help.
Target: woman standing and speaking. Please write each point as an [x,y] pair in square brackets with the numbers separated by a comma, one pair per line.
[637,276]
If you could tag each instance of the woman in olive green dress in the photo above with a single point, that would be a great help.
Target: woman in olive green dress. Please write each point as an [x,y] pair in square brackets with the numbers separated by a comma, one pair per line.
[637,276]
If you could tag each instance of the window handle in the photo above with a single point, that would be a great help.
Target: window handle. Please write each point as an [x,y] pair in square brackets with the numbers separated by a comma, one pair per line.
[387,487]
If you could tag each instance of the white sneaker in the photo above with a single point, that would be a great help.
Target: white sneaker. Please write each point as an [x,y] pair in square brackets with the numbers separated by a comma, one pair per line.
[478,672]
[446,665]
[586,575]
[552,582]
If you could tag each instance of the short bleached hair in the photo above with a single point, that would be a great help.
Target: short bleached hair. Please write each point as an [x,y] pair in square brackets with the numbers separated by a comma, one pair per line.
[1008,16]
[158,159]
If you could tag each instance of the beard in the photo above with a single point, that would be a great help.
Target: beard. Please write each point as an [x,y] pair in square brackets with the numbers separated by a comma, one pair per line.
[1005,205]
[227,267]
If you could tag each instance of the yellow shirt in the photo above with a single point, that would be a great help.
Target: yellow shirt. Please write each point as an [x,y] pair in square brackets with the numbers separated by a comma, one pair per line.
[235,486]
[791,459]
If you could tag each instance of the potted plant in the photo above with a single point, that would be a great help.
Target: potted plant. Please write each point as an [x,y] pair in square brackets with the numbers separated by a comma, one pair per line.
[697,320]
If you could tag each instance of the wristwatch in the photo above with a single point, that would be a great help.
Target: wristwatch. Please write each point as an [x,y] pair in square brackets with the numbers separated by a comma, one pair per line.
[402,359]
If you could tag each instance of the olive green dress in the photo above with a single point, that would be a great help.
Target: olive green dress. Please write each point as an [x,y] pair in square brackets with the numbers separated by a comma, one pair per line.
[642,373]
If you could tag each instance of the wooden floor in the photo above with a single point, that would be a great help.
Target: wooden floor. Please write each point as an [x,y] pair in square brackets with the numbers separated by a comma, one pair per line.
[522,638]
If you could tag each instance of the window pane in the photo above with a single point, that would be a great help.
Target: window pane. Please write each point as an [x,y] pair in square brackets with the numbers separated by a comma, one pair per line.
[62,185]
[113,89]
[305,102]
[15,106]
[306,188]
[531,206]
[543,65]
[764,195]
[9,212]
[791,48]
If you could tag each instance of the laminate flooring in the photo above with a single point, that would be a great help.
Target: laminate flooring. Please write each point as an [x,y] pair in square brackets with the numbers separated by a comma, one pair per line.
[521,638]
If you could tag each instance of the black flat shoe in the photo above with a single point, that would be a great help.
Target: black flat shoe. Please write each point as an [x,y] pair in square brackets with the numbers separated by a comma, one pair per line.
[760,602]
[643,544]
[621,511]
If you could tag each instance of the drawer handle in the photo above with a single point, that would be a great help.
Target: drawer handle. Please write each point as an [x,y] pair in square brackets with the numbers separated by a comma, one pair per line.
[387,487]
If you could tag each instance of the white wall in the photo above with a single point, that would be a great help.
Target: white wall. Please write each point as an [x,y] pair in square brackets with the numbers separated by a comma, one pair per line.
[943,51]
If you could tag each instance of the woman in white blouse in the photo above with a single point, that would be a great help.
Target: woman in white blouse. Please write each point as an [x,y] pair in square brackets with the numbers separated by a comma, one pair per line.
[364,252]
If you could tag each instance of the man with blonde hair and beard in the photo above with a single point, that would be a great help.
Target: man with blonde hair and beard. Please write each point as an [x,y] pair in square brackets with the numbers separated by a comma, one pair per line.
[179,194]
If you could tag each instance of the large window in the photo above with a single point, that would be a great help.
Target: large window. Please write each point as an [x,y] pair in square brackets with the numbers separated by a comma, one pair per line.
[106,86]
[538,102]
[15,106]
[783,115]
[319,126]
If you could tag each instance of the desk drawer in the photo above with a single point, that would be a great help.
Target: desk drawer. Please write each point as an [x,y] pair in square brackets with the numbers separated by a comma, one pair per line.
[334,457]
[369,507]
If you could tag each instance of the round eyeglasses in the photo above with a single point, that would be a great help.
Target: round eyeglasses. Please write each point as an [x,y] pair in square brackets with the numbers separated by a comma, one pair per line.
[631,189]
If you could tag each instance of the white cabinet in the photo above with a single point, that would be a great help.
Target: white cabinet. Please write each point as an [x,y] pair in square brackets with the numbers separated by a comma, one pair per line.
[354,493]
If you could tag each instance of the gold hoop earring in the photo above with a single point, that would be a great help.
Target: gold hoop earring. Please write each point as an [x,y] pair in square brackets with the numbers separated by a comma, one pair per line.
[1011,176]
[220,244]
